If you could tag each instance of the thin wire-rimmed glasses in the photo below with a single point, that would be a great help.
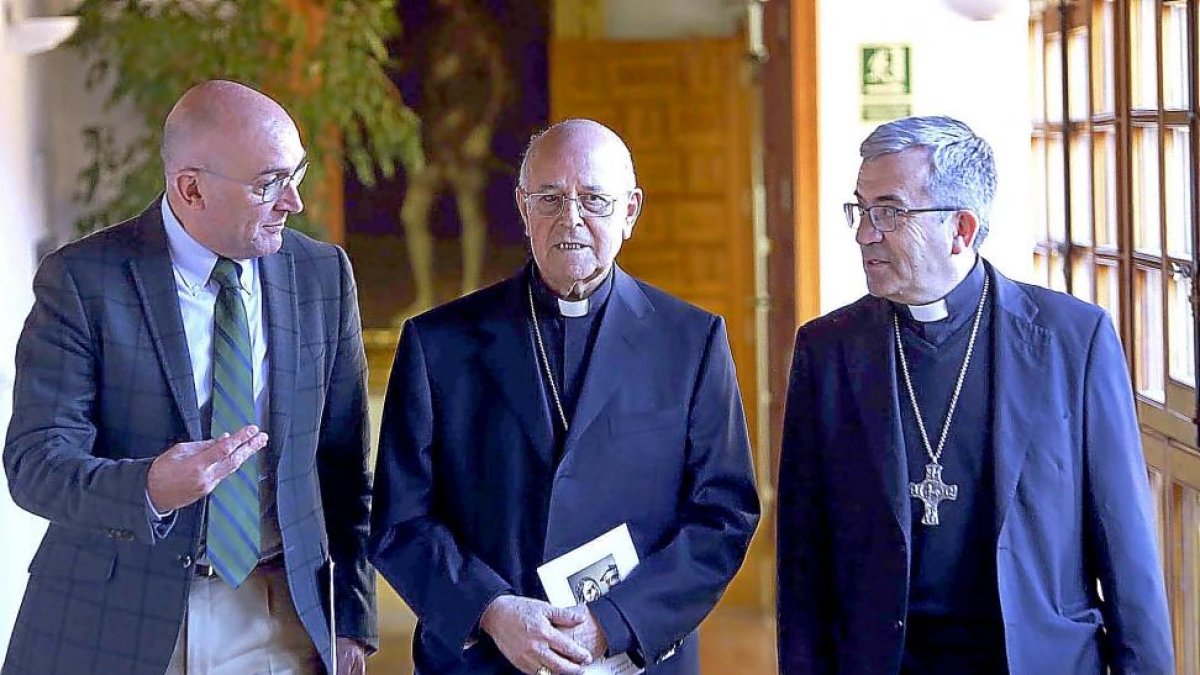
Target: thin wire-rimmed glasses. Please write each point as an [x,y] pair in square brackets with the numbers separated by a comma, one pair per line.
[271,190]
[886,218]
[551,204]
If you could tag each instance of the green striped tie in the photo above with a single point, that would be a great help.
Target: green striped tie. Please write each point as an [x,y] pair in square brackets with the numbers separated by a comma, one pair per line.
[234,540]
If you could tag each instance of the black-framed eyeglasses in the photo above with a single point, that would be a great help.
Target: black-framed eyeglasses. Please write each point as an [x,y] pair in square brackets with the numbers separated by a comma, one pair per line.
[886,218]
[271,190]
[551,204]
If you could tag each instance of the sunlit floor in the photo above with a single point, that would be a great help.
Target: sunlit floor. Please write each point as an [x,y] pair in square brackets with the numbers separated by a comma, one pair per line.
[733,642]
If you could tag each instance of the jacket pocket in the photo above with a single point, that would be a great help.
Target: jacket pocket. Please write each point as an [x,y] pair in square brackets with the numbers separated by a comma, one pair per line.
[74,562]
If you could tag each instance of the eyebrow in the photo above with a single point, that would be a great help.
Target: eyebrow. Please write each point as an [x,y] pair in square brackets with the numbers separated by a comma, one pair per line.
[550,187]
[282,169]
[886,198]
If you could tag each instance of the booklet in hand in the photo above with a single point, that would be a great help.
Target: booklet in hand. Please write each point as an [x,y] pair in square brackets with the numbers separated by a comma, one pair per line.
[584,574]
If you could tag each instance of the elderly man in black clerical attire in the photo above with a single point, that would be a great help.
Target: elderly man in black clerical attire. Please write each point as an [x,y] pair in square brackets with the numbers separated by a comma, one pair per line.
[533,416]
[961,487]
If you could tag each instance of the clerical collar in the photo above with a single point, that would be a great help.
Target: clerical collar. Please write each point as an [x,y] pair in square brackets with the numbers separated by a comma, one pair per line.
[549,301]
[958,305]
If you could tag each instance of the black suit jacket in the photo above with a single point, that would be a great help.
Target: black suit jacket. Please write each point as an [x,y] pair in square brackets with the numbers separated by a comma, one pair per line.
[1073,509]
[470,497]
[104,384]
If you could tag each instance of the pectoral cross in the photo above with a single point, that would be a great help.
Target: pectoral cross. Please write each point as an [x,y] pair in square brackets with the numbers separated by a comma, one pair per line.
[932,491]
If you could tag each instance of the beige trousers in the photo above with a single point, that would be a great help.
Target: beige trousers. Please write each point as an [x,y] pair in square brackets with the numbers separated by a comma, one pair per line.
[250,630]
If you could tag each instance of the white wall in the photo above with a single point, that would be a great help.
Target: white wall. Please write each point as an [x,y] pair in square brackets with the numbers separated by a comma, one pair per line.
[22,212]
[974,71]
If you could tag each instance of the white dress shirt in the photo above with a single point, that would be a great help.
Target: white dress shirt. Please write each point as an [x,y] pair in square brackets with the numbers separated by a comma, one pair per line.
[193,264]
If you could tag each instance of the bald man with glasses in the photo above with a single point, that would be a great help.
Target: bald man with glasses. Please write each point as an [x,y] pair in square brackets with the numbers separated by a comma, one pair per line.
[190,416]
[526,419]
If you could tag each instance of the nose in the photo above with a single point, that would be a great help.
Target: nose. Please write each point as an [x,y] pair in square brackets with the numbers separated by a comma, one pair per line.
[866,233]
[290,200]
[571,216]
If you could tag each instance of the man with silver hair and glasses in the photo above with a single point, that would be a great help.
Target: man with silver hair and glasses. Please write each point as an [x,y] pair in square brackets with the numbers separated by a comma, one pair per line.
[961,487]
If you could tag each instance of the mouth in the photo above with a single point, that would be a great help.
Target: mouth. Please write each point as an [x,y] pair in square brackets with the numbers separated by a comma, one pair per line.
[569,246]
[274,227]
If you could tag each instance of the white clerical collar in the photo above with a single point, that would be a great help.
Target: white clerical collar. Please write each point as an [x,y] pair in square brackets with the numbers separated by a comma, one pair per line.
[573,308]
[934,311]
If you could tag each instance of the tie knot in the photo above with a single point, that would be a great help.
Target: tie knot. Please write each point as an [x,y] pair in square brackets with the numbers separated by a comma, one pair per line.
[227,273]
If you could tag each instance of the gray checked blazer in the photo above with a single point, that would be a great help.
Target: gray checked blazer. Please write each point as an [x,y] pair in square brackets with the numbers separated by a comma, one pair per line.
[104,384]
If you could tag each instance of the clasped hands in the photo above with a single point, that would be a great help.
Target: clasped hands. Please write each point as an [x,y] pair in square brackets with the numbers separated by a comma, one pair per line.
[537,637]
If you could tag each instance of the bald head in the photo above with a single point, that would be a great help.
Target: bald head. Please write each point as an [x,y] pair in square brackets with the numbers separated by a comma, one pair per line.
[579,201]
[218,117]
[233,162]
[580,135]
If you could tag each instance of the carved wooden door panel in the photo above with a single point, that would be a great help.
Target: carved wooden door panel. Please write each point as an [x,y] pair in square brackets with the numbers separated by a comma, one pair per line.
[683,106]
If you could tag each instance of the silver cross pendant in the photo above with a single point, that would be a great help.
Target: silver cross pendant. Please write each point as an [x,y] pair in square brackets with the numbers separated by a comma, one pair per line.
[932,491]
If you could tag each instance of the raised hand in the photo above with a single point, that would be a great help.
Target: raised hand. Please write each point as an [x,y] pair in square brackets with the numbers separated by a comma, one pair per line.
[186,472]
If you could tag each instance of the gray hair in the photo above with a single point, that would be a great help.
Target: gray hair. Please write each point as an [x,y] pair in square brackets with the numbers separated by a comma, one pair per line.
[962,170]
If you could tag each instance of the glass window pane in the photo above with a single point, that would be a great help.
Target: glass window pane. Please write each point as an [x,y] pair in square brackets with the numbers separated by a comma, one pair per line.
[1148,334]
[1176,70]
[1081,188]
[1041,269]
[1037,83]
[1144,169]
[1108,294]
[1183,330]
[1053,60]
[1105,181]
[1037,189]
[1056,201]
[1179,181]
[1081,278]
[1143,51]
[1103,56]
[1058,272]
[1077,98]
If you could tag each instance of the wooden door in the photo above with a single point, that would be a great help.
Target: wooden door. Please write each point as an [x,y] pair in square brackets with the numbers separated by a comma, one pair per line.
[684,108]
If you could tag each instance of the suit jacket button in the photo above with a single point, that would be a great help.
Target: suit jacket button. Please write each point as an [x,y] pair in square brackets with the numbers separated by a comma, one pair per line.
[899,624]
[186,560]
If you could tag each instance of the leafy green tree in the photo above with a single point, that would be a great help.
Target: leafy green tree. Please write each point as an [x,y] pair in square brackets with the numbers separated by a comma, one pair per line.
[325,61]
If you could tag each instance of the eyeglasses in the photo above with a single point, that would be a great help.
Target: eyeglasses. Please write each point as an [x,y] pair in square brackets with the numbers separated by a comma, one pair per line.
[271,190]
[551,204]
[886,218]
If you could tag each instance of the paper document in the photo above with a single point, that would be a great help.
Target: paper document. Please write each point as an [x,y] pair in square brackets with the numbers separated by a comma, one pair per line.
[588,572]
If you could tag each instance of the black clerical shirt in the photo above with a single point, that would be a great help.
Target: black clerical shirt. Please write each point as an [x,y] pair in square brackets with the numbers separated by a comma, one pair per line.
[954,622]
[569,341]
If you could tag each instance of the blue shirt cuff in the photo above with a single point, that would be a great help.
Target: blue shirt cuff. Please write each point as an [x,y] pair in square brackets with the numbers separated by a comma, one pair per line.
[616,630]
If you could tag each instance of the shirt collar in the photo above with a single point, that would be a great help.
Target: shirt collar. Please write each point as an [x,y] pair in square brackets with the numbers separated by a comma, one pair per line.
[548,301]
[959,303]
[193,261]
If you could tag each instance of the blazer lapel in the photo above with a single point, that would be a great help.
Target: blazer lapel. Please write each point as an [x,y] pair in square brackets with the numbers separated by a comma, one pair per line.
[509,359]
[1019,347]
[282,318]
[154,278]
[871,365]
[620,329]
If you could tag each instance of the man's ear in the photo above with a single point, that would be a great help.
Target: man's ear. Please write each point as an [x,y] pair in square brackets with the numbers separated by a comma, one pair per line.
[186,188]
[966,227]
[520,199]
[633,209]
